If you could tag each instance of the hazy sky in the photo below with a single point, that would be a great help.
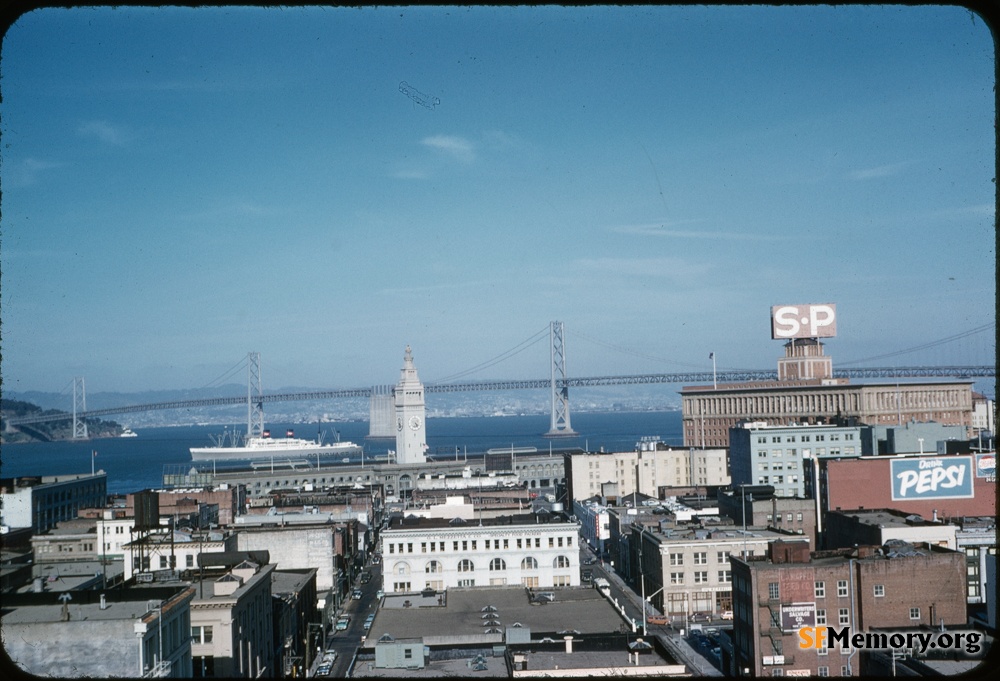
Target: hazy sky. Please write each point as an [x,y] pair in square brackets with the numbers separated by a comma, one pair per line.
[326,186]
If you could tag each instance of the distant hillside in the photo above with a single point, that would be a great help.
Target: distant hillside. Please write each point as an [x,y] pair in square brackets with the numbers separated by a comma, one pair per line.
[47,431]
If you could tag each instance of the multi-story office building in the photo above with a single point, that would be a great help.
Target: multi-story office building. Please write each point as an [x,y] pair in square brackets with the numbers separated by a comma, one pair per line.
[540,550]
[897,585]
[687,570]
[875,527]
[651,466]
[41,502]
[813,396]
[762,454]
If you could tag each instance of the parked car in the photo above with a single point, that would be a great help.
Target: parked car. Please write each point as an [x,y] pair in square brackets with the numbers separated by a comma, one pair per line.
[366,577]
[323,670]
[727,614]
[356,594]
[701,617]
[342,623]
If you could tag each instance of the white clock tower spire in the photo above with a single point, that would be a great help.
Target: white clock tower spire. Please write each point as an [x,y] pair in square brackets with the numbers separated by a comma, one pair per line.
[411,433]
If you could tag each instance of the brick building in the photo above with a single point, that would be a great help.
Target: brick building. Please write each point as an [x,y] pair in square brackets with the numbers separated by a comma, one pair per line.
[894,586]
[909,484]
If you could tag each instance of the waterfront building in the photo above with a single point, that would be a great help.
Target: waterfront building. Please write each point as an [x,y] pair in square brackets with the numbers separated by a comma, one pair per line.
[533,550]
[650,467]
[890,587]
[127,633]
[535,470]
[411,427]
[39,502]
[764,454]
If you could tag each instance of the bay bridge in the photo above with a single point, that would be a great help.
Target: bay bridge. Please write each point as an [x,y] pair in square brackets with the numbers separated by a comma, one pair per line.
[558,383]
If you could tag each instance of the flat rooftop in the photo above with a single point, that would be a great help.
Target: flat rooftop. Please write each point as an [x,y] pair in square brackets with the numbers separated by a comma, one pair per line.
[460,617]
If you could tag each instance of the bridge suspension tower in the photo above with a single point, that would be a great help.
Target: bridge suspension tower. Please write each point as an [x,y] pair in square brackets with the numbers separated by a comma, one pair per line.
[559,386]
[79,399]
[255,397]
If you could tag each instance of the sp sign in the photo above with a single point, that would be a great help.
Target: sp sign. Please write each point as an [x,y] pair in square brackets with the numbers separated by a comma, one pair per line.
[804,321]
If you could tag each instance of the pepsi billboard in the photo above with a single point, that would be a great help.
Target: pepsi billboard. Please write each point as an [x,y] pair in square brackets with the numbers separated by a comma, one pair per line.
[939,477]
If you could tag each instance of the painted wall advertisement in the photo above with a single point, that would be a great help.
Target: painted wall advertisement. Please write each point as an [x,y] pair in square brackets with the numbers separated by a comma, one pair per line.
[794,616]
[943,477]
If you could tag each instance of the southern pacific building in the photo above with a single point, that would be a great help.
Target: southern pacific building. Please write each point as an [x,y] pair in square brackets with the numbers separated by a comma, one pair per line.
[807,392]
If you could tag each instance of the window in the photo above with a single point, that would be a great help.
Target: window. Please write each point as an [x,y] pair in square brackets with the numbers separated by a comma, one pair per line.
[914,613]
[408,653]
[465,565]
[497,565]
[843,616]
[189,560]
[677,559]
[701,577]
[432,568]
[409,548]
[722,556]
[201,634]
[823,670]
[842,588]
[725,576]
[772,591]
[879,590]
[560,562]
[466,582]
[529,563]
[820,589]
[701,558]
[820,615]
[676,577]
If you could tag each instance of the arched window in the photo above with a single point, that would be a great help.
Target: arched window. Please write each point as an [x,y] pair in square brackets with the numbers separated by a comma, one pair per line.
[560,562]
[529,563]
[432,567]
[465,565]
[497,564]
[401,569]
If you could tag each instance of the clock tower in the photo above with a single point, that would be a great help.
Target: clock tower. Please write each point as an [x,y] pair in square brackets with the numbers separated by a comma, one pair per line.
[411,433]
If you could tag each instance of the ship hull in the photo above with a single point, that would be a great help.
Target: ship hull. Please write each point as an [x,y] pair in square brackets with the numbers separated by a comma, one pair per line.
[275,449]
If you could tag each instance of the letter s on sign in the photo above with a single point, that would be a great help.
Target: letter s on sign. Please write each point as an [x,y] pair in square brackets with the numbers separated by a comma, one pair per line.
[785,322]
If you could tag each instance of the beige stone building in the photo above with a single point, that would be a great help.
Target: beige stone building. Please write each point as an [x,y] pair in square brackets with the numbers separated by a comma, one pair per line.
[651,466]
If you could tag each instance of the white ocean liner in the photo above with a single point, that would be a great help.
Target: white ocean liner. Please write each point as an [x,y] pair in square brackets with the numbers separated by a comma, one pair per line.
[232,446]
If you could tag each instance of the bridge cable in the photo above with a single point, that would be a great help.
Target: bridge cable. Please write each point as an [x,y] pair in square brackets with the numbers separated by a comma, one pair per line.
[517,349]
[925,346]
[226,374]
[628,351]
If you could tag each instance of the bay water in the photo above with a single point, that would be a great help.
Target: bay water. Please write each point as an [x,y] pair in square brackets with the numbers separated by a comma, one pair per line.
[137,463]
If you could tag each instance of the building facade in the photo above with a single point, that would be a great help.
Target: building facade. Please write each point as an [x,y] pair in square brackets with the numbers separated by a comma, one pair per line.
[126,633]
[709,412]
[762,454]
[651,466]
[898,585]
[530,550]
[41,502]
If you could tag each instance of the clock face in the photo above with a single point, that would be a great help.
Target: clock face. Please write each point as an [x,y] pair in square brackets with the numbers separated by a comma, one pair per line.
[399,424]
[414,422]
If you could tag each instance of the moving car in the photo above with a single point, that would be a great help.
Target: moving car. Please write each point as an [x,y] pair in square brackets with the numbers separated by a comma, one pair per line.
[657,619]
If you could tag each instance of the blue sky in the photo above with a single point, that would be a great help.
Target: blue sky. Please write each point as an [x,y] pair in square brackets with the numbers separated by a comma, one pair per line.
[182,186]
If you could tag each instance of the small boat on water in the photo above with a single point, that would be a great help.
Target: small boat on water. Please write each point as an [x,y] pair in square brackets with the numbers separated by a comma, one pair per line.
[128,432]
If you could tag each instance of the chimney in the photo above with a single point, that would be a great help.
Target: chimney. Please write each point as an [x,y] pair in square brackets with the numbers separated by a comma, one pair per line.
[569,644]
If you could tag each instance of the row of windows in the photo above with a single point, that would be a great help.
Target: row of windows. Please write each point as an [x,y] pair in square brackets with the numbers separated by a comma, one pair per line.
[701,577]
[777,439]
[496,565]
[466,545]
